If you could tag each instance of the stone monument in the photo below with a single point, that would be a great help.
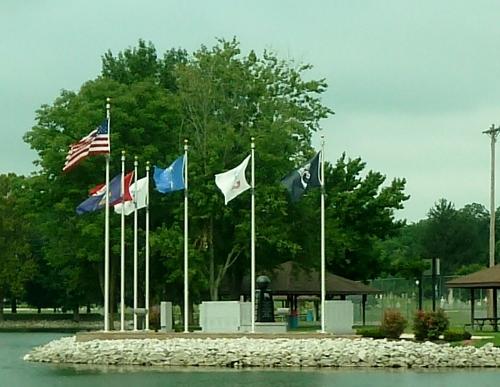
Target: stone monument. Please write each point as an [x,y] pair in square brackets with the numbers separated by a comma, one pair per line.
[265,304]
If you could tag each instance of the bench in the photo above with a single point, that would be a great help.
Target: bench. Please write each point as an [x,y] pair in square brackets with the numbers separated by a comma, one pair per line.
[480,322]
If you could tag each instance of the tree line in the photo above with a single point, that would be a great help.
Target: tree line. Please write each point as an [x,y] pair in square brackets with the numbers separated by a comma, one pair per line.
[218,98]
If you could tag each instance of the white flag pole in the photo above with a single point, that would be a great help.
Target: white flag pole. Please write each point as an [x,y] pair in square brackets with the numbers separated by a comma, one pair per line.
[146,301]
[252,243]
[106,226]
[122,249]
[323,288]
[135,243]
[186,266]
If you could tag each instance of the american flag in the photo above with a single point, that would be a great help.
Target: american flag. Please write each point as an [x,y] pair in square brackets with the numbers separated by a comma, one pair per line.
[96,142]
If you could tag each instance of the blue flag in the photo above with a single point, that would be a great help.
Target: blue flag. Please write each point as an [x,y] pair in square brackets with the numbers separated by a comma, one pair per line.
[97,200]
[170,179]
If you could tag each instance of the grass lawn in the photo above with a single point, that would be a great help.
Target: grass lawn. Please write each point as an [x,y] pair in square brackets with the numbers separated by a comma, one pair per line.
[490,337]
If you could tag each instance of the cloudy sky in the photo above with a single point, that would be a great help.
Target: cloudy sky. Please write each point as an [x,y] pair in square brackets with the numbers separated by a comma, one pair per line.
[413,83]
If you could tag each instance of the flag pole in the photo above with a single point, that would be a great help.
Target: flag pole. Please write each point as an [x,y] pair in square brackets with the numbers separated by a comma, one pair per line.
[146,301]
[323,289]
[122,249]
[186,266]
[135,243]
[252,242]
[106,226]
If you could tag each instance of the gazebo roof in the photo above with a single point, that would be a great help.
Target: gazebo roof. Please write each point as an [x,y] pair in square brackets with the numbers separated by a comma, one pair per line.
[483,279]
[289,278]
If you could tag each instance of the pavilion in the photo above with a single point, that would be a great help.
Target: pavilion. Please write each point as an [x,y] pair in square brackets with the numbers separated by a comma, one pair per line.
[293,280]
[488,278]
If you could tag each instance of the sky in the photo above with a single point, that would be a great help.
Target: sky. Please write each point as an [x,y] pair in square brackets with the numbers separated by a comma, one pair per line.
[413,83]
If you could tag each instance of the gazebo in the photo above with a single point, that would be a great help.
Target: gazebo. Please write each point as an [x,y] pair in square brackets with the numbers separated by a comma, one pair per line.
[293,280]
[488,278]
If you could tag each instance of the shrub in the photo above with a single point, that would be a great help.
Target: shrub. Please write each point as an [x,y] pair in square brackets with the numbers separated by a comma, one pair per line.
[393,324]
[154,317]
[456,334]
[430,325]
[373,332]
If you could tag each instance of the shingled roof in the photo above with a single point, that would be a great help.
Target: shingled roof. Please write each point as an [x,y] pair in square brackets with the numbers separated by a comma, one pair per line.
[483,279]
[289,278]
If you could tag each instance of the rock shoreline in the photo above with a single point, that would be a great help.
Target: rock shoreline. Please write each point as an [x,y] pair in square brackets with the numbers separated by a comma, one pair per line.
[244,352]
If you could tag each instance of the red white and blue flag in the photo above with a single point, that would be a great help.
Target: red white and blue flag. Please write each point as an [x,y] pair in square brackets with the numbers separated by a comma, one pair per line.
[95,143]
[97,200]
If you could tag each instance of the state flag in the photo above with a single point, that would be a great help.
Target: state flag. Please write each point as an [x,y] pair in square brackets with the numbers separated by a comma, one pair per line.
[170,179]
[97,200]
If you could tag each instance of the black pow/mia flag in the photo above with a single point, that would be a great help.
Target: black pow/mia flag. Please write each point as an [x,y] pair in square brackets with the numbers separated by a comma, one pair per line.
[306,176]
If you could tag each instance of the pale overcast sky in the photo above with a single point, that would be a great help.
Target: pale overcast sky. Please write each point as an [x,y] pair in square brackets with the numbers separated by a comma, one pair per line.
[413,83]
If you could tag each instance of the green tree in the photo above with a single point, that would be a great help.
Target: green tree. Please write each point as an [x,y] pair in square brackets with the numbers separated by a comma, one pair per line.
[457,237]
[228,98]
[17,265]
[218,99]
[362,212]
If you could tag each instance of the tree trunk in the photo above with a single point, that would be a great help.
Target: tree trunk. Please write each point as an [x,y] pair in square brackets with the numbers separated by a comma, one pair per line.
[76,313]
[214,288]
[1,304]
[211,279]
[191,314]
[13,305]
[100,276]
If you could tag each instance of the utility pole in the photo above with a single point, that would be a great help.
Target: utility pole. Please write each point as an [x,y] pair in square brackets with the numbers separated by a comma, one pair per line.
[493,133]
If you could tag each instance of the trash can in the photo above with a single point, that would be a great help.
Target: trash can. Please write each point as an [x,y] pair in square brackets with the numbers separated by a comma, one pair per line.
[293,320]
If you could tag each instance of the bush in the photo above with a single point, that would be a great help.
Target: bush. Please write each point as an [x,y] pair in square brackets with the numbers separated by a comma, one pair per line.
[456,334]
[373,332]
[154,317]
[430,325]
[393,324]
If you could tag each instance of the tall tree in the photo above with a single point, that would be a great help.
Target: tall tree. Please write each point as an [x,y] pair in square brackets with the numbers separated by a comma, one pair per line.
[228,98]
[218,99]
[17,265]
[456,237]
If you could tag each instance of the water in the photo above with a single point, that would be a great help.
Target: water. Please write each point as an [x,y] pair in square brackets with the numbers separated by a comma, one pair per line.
[14,372]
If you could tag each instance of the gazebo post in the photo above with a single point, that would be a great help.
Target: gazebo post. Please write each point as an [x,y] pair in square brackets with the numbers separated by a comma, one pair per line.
[472,301]
[363,308]
[495,315]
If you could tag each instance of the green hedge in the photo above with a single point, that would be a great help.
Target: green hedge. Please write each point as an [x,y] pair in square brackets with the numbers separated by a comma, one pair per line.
[456,334]
[373,332]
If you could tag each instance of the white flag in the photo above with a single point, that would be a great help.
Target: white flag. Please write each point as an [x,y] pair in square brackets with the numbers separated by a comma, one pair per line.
[142,197]
[233,182]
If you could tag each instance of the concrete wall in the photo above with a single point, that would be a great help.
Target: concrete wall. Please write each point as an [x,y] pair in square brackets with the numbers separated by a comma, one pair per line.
[339,317]
[225,316]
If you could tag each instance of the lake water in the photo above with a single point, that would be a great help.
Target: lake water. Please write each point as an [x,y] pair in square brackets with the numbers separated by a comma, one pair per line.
[14,372]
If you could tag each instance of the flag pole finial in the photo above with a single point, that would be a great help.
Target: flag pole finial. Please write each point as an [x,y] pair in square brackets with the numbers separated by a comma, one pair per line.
[135,161]
[147,165]
[108,103]
[253,142]
[123,155]
[186,144]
